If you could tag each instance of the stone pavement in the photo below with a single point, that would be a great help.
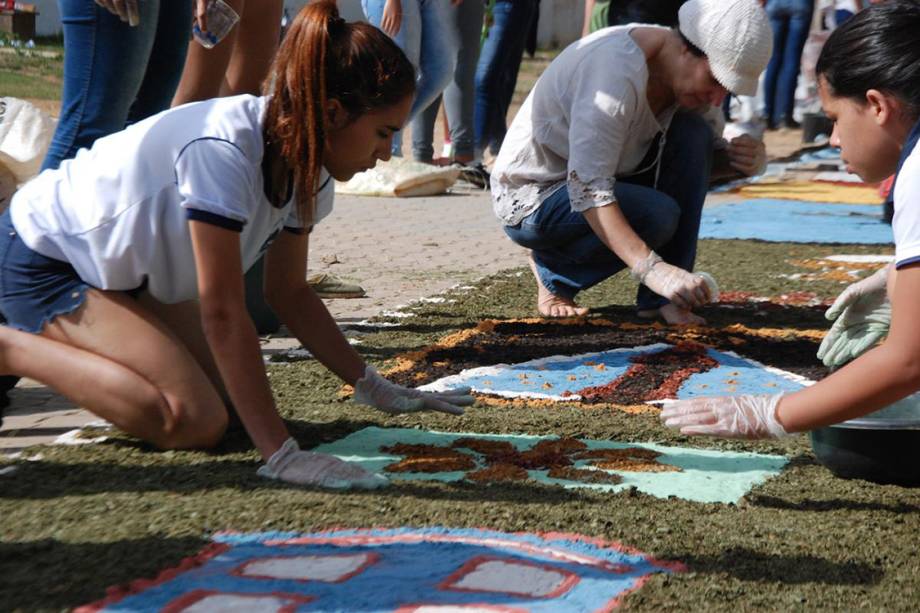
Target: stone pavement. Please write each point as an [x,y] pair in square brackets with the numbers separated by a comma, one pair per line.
[399,250]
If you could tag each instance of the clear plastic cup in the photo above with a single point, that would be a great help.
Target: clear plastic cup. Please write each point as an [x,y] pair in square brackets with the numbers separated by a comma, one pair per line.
[221,19]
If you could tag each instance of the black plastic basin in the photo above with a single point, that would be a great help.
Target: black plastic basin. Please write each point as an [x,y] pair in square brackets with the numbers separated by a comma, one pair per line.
[874,454]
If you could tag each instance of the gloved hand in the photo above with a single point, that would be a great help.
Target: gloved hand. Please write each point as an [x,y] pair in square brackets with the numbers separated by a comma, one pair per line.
[125,9]
[375,391]
[684,289]
[748,417]
[293,465]
[861,316]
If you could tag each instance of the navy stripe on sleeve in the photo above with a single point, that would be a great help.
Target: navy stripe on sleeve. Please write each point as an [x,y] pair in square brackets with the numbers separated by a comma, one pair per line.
[214,219]
[903,263]
[296,230]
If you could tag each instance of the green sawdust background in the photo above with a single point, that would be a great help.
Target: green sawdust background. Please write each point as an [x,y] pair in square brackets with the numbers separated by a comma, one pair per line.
[84,518]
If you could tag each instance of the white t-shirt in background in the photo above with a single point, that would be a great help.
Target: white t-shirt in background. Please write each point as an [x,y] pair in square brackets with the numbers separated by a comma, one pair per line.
[586,122]
[118,212]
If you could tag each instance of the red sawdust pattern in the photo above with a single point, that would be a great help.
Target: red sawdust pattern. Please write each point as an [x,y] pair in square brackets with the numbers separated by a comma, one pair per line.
[499,472]
[583,475]
[486,447]
[655,376]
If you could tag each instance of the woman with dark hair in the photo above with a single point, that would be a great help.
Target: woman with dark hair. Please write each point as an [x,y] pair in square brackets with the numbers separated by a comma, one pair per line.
[600,171]
[121,273]
[869,83]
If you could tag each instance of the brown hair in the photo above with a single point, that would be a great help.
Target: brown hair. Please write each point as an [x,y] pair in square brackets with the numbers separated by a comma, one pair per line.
[321,58]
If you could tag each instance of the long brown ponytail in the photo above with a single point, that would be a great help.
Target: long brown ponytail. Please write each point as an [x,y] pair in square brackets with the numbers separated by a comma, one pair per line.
[321,58]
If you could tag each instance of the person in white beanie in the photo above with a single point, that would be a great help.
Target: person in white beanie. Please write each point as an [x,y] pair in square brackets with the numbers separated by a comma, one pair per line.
[606,165]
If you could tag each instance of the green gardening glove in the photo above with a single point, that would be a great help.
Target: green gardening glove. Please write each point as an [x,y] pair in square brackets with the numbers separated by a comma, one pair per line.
[861,316]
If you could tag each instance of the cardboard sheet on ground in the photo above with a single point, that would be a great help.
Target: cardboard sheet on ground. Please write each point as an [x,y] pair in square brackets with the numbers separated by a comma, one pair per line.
[699,475]
[562,377]
[812,191]
[402,178]
[796,222]
[399,570]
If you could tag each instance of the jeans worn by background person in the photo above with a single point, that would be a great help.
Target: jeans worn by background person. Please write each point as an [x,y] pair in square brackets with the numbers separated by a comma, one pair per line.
[570,257]
[428,38]
[661,12]
[791,21]
[496,73]
[459,96]
[115,74]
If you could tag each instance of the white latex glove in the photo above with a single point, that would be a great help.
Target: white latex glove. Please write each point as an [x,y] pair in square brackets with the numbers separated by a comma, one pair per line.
[125,9]
[861,316]
[748,417]
[684,289]
[293,465]
[375,391]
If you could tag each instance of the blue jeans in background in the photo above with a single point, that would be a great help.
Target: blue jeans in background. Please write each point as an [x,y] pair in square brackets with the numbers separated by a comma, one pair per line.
[570,257]
[496,74]
[460,94]
[791,21]
[429,39]
[115,75]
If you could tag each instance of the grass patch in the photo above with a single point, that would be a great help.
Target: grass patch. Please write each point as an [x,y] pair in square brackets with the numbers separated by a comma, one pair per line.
[36,73]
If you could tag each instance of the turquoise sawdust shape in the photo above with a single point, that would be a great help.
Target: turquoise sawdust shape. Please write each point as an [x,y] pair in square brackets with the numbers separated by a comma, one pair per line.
[706,476]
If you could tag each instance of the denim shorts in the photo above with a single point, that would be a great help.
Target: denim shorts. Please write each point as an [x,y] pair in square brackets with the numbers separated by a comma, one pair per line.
[34,289]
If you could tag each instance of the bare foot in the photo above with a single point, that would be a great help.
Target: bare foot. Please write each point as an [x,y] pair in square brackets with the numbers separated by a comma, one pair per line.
[551,305]
[674,315]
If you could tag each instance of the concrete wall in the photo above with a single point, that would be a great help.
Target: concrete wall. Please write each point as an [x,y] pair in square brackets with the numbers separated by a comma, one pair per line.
[560,20]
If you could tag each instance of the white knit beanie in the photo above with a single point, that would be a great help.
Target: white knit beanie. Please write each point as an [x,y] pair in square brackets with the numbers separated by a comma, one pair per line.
[736,37]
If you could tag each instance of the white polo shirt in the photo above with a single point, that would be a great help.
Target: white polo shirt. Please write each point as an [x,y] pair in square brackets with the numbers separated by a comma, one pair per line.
[119,212]
[906,221]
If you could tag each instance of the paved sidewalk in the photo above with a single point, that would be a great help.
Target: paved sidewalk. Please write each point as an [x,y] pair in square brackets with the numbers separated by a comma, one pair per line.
[399,250]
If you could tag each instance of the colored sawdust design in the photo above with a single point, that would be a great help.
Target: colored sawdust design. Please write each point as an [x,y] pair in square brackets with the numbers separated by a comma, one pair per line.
[791,221]
[812,191]
[829,270]
[504,462]
[401,569]
[652,376]
[701,475]
[789,355]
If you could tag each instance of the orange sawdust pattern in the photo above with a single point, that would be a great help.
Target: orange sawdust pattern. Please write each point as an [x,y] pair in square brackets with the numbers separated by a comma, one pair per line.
[630,459]
[499,472]
[422,458]
[489,343]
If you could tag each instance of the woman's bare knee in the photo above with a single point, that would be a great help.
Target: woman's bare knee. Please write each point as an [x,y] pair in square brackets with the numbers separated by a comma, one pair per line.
[192,428]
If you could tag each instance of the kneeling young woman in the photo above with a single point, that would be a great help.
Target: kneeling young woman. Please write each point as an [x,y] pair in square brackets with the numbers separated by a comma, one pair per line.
[121,272]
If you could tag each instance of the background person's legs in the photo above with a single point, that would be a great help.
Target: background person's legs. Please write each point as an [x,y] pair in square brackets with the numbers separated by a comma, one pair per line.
[779,23]
[569,256]
[799,24]
[105,60]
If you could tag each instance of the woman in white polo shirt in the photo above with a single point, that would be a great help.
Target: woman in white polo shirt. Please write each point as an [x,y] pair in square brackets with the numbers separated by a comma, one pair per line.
[121,271]
[604,165]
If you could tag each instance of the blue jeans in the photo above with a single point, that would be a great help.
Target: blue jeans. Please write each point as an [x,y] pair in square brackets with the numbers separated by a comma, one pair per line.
[459,96]
[114,74]
[496,74]
[790,20]
[570,257]
[428,38]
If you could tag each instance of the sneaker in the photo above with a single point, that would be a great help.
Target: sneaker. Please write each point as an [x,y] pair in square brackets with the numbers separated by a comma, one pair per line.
[474,174]
[329,286]
[791,124]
